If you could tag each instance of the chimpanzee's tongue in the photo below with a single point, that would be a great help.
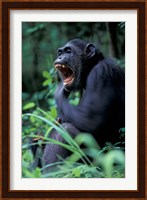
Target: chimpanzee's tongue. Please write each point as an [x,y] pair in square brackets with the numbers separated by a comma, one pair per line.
[68,80]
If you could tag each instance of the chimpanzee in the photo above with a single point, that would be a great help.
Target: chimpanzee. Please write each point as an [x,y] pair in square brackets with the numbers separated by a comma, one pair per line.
[101,110]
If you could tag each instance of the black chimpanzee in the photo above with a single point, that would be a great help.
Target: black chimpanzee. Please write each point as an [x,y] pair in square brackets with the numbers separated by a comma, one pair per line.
[101,110]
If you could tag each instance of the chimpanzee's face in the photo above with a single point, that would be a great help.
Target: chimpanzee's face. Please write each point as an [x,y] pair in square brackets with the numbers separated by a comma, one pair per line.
[69,65]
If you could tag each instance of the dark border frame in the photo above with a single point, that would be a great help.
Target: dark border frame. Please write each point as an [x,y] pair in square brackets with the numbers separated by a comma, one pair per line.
[6,7]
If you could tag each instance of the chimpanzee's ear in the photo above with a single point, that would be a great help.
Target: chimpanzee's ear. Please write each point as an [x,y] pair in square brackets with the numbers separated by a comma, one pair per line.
[90,50]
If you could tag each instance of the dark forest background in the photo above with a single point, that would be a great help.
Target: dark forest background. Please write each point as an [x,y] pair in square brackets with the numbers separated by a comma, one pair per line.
[40,41]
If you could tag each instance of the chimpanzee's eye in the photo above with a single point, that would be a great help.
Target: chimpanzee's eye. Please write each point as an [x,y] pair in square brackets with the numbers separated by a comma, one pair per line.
[68,50]
[59,52]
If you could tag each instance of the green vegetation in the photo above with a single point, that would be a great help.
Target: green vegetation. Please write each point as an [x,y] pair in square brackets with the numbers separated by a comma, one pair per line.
[40,42]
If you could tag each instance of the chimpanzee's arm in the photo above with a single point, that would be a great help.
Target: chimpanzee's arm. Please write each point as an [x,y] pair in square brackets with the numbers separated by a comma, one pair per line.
[93,111]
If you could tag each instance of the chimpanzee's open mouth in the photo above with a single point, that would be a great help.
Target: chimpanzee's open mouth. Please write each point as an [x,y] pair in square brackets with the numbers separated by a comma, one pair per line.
[66,72]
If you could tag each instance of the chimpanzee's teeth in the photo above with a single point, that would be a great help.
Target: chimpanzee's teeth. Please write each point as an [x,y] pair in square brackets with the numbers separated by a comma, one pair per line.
[59,65]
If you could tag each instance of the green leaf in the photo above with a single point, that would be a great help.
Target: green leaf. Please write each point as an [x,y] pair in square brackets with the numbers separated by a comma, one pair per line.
[48,132]
[36,173]
[47,82]
[76,172]
[27,156]
[46,74]
[88,140]
[29,106]
[53,112]
[74,101]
